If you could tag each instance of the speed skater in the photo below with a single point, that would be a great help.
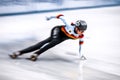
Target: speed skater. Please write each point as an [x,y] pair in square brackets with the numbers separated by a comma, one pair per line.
[59,34]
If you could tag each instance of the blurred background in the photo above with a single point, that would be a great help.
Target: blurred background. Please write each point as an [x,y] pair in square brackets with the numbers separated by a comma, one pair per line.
[23,23]
[34,6]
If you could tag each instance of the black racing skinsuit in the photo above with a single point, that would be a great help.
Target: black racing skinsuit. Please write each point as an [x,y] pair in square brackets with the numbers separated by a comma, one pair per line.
[57,36]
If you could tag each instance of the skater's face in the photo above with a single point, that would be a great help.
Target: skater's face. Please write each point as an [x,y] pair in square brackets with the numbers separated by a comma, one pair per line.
[78,31]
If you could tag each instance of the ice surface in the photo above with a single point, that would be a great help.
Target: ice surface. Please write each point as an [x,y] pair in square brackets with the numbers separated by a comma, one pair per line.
[102,43]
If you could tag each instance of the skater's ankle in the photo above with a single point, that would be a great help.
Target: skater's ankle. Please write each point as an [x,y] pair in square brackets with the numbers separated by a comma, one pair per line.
[17,53]
[36,55]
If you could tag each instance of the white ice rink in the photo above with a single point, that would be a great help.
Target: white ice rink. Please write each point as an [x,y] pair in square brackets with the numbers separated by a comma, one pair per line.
[102,47]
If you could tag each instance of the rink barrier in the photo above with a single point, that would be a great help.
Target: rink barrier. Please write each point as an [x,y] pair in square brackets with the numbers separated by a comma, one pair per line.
[54,10]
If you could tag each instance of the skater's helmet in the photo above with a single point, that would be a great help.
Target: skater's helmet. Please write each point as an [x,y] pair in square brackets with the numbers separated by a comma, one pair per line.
[82,25]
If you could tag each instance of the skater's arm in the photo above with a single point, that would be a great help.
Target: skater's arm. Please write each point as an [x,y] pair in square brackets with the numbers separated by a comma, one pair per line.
[61,18]
[58,17]
[81,55]
[81,43]
[68,27]
[51,17]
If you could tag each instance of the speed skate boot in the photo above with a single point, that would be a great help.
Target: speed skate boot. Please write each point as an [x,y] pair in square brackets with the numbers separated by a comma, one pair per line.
[14,55]
[33,57]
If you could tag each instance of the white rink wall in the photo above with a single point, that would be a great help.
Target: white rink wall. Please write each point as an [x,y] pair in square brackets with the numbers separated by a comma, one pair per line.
[22,6]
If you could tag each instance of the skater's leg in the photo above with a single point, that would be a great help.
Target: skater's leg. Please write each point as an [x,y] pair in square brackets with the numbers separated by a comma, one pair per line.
[56,38]
[48,46]
[35,47]
[29,49]
[43,49]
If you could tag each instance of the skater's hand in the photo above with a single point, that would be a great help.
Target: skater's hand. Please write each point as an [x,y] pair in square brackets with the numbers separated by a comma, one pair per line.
[83,57]
[58,16]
